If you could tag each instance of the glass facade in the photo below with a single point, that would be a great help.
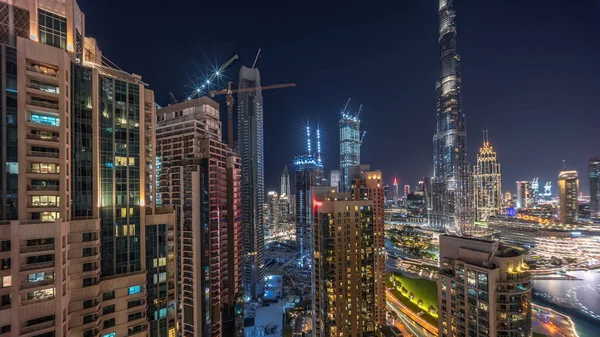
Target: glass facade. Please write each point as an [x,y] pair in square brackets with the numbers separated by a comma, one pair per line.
[156,263]
[8,134]
[81,149]
[52,29]
[120,184]
[349,148]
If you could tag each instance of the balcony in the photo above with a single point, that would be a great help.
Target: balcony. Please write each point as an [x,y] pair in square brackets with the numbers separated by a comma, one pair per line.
[42,154]
[42,137]
[42,70]
[43,104]
[43,204]
[37,248]
[51,89]
[37,327]
[43,187]
[36,222]
[39,265]
[37,300]
[29,285]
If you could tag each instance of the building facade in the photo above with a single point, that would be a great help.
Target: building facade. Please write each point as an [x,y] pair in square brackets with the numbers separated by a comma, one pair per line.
[343,301]
[307,173]
[286,188]
[200,178]
[452,203]
[568,191]
[349,147]
[487,183]
[334,179]
[484,289]
[250,150]
[524,195]
[594,171]
[76,190]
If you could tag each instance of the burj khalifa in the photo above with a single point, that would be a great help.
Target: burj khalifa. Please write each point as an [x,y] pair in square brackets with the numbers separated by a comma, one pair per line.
[452,197]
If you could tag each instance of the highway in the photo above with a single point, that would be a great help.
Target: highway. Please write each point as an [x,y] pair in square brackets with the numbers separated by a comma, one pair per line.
[413,322]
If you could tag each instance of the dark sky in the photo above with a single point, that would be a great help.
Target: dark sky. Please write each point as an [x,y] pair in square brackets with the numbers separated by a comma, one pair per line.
[530,73]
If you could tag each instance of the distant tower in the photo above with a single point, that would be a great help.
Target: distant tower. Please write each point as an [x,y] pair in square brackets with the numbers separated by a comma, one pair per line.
[396,190]
[334,179]
[406,190]
[250,148]
[594,170]
[524,194]
[535,191]
[285,182]
[568,189]
[349,145]
[487,182]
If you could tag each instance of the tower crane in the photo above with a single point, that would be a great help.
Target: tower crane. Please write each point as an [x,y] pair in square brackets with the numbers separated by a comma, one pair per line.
[230,100]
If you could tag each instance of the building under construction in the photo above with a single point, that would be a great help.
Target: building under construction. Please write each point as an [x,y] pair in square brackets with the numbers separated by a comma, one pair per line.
[350,142]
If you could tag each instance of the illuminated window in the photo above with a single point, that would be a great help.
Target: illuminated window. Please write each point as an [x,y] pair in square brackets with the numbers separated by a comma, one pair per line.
[135,290]
[6,281]
[124,161]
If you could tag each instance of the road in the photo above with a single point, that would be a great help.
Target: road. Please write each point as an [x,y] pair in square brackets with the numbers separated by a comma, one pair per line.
[417,325]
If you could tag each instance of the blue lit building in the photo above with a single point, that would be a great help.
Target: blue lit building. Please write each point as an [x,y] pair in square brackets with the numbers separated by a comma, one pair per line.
[308,173]
[349,147]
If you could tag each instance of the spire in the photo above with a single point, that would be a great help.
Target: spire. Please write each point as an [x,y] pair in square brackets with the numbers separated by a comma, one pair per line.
[285,171]
[319,145]
[308,139]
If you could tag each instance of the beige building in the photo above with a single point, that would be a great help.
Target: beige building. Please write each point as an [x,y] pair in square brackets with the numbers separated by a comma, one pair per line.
[77,186]
[343,265]
[484,289]
[568,190]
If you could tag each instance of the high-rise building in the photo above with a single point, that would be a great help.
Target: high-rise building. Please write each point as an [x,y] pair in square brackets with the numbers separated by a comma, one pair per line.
[406,190]
[334,179]
[524,194]
[452,199]
[343,286]
[366,184]
[487,183]
[271,212]
[200,177]
[285,182]
[386,192]
[594,171]
[350,141]
[484,289]
[535,191]
[79,225]
[568,190]
[416,207]
[306,168]
[250,150]
[396,190]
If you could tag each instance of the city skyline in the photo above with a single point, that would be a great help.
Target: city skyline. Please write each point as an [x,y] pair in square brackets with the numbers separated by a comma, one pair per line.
[486,68]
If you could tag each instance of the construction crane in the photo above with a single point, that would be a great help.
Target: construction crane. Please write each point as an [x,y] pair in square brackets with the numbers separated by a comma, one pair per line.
[230,100]
[200,90]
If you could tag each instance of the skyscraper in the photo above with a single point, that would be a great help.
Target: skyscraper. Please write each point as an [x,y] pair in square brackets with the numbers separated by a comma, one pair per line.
[343,296]
[200,177]
[396,195]
[250,149]
[452,182]
[406,190]
[487,183]
[285,182]
[594,170]
[484,289]
[334,179]
[350,141]
[366,184]
[568,190]
[524,194]
[78,216]
[306,168]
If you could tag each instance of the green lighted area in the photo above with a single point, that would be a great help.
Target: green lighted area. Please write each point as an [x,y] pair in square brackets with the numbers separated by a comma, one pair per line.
[417,294]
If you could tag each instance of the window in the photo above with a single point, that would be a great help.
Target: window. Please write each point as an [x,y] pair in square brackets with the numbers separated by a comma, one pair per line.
[44,294]
[88,266]
[88,252]
[12,168]
[6,281]
[88,319]
[134,316]
[135,290]
[89,333]
[5,329]
[45,168]
[5,246]
[39,320]
[108,295]
[5,264]
[88,281]
[109,323]
[88,304]
[45,201]
[52,29]
[110,334]
[135,303]
[86,237]
[108,309]
[5,300]
[45,120]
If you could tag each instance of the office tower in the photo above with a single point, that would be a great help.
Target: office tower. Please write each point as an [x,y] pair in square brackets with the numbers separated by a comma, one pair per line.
[524,194]
[386,192]
[416,207]
[285,182]
[406,190]
[200,177]
[484,289]
[396,191]
[272,213]
[427,192]
[452,197]
[350,141]
[334,179]
[343,296]
[487,183]
[535,191]
[250,150]
[76,201]
[594,169]
[568,190]
[366,184]
[306,168]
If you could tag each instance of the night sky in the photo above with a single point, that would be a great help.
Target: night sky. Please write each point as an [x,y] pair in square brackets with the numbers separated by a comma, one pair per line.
[530,73]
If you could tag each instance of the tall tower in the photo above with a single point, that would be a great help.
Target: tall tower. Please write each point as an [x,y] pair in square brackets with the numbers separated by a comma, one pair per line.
[524,194]
[487,182]
[200,177]
[334,179]
[285,182]
[250,149]
[594,170]
[568,190]
[349,125]
[452,183]
[396,189]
